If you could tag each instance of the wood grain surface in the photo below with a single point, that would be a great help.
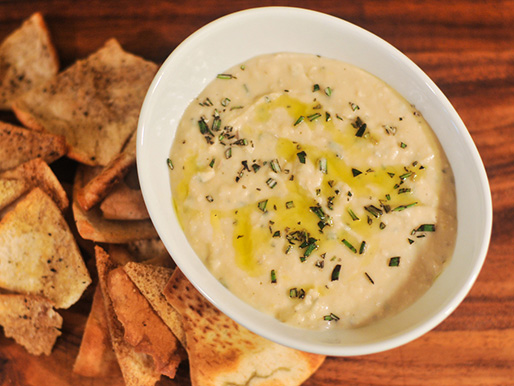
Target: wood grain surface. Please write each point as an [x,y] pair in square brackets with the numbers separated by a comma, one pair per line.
[465,46]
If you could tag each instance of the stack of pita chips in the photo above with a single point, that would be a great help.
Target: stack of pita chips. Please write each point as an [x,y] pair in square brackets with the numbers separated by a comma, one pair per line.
[146,318]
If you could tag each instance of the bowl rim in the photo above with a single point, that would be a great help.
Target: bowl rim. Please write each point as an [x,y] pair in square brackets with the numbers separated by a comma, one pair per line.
[225,304]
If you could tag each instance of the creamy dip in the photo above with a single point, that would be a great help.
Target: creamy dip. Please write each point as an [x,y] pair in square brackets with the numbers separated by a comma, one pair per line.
[313,191]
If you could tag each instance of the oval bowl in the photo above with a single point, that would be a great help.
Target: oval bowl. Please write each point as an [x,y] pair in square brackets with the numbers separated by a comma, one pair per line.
[237,37]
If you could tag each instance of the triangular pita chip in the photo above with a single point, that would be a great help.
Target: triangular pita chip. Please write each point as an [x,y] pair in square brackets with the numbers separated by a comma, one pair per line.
[100,185]
[31,174]
[150,251]
[18,145]
[151,280]
[138,369]
[94,103]
[31,321]
[38,254]
[144,329]
[27,59]
[124,202]
[96,356]
[91,225]
[221,352]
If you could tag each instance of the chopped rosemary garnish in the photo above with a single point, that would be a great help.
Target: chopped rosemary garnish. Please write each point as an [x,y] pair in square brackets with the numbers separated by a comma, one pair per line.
[271,182]
[315,88]
[426,228]
[404,190]
[299,120]
[352,215]
[349,245]
[225,76]
[275,166]
[410,241]
[211,164]
[328,91]
[262,205]
[406,175]
[376,212]
[403,145]
[170,163]
[209,198]
[394,261]
[335,273]
[331,317]
[228,153]
[236,107]
[382,225]
[256,167]
[301,156]
[403,207]
[289,204]
[369,278]
[354,106]
[356,172]
[362,248]
[310,248]
[225,102]
[313,117]
[273,275]
[327,117]
[293,293]
[360,126]
[204,129]
[322,163]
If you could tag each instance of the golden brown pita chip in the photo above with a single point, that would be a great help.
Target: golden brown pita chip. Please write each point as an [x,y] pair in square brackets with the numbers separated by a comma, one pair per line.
[31,174]
[151,280]
[38,254]
[150,251]
[18,145]
[138,369]
[94,103]
[96,357]
[144,329]
[124,203]
[221,352]
[100,185]
[91,225]
[27,59]
[31,321]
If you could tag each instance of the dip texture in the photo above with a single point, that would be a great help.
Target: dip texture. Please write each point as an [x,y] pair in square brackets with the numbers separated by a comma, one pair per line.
[313,191]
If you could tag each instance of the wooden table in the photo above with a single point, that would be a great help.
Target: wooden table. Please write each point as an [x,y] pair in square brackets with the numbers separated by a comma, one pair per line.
[465,46]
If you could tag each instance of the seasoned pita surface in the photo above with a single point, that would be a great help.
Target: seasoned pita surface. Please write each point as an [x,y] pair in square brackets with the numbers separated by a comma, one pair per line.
[138,369]
[92,225]
[96,356]
[18,145]
[27,59]
[38,254]
[221,352]
[144,329]
[94,103]
[31,174]
[151,281]
[31,321]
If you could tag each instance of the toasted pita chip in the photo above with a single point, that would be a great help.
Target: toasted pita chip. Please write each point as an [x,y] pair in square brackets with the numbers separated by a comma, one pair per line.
[138,369]
[18,145]
[151,280]
[91,225]
[38,254]
[31,321]
[94,103]
[96,357]
[27,59]
[150,251]
[144,329]
[221,352]
[124,202]
[28,175]
[100,185]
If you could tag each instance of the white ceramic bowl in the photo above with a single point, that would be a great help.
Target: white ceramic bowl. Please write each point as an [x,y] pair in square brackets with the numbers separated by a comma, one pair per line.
[243,35]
